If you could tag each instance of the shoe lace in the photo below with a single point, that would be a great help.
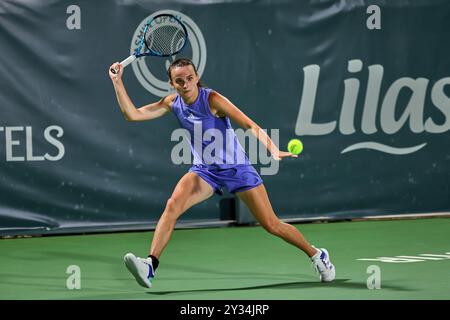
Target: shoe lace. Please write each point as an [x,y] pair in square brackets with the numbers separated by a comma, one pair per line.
[152,271]
[314,267]
[318,263]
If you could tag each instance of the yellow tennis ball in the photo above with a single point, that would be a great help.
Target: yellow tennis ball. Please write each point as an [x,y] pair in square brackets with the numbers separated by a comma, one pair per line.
[295,146]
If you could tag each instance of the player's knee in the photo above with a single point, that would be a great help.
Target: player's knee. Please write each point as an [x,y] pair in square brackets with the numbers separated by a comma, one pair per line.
[273,227]
[172,206]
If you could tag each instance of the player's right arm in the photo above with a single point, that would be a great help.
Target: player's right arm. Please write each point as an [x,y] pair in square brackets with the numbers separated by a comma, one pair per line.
[129,110]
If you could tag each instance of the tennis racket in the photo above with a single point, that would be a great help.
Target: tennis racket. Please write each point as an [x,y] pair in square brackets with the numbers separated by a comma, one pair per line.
[164,35]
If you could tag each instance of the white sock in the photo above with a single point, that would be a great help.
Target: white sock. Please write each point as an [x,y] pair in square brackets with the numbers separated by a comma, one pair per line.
[317,255]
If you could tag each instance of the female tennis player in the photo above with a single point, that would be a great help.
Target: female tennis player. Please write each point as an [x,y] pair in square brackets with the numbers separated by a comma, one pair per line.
[194,105]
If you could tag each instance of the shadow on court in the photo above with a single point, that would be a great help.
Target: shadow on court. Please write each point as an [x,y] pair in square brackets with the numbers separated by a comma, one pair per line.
[338,283]
[214,272]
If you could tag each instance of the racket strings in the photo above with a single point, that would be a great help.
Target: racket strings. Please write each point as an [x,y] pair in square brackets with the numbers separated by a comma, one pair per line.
[165,38]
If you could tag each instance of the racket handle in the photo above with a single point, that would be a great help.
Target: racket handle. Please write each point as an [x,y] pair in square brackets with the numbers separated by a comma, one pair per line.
[125,62]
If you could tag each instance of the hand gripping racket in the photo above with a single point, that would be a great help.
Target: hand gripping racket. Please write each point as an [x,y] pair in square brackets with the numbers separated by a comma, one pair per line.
[164,36]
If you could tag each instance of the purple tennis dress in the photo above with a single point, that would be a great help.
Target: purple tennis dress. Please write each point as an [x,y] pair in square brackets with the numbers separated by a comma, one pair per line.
[219,159]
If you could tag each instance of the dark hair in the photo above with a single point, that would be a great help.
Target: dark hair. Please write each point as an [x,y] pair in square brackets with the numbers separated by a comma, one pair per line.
[182,62]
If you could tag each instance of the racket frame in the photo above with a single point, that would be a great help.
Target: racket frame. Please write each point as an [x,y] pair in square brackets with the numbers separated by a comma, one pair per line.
[137,52]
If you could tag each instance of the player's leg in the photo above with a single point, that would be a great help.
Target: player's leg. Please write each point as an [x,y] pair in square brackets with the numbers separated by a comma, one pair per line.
[259,204]
[190,190]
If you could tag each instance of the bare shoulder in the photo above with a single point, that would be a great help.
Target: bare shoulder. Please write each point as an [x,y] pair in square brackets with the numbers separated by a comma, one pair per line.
[216,99]
[214,96]
[217,103]
[168,100]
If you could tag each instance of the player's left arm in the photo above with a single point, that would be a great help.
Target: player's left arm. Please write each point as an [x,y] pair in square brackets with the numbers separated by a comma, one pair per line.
[221,106]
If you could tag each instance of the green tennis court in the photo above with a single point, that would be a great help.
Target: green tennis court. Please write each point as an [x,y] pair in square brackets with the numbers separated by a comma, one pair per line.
[237,263]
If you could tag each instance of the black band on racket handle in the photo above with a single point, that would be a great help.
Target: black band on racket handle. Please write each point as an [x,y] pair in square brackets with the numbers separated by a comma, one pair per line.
[125,62]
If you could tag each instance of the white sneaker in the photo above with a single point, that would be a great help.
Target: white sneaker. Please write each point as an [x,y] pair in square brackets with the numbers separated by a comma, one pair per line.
[322,264]
[141,269]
